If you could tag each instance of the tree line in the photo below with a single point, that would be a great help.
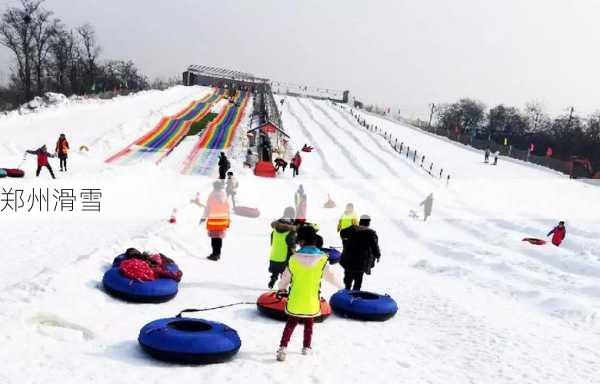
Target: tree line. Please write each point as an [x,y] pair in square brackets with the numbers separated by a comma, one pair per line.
[49,56]
[568,134]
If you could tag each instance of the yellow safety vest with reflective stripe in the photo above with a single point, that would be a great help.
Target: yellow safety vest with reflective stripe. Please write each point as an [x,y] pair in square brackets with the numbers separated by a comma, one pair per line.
[348,220]
[279,247]
[304,299]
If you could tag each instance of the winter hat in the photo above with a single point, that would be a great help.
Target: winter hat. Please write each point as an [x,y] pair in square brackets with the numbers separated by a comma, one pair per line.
[289,213]
[365,220]
[307,235]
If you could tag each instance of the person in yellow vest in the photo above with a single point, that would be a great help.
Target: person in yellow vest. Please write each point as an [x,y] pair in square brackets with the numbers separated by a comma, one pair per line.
[283,244]
[216,215]
[305,270]
[348,218]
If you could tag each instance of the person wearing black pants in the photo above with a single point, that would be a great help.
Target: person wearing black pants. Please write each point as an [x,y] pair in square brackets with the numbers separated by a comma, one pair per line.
[216,216]
[42,160]
[216,243]
[224,165]
[62,150]
[39,169]
[355,277]
[361,250]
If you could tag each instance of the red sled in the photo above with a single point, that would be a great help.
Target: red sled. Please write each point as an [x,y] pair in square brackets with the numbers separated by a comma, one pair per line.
[14,172]
[246,211]
[271,306]
[534,241]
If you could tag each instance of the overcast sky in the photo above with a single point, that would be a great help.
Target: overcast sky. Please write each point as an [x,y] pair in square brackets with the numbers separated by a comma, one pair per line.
[399,53]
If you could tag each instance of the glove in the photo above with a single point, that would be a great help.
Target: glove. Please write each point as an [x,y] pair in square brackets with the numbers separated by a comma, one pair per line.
[202,221]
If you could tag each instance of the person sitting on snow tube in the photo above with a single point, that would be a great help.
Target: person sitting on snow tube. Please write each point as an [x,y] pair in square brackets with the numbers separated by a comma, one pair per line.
[157,263]
[305,270]
[363,305]
[133,278]
[307,148]
[190,341]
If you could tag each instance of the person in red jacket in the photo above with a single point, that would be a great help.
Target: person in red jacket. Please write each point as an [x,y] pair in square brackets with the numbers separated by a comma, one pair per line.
[62,150]
[42,160]
[295,164]
[558,233]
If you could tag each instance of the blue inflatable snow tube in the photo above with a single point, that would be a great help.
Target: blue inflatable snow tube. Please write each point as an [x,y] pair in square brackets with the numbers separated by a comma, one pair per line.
[185,340]
[333,254]
[363,305]
[2,173]
[155,291]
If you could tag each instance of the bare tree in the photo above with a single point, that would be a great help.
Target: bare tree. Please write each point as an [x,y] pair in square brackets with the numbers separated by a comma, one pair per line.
[91,51]
[17,34]
[534,110]
[43,31]
[59,57]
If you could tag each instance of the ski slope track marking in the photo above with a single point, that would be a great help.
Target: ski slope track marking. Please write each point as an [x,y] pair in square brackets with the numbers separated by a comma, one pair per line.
[351,135]
[325,164]
[343,149]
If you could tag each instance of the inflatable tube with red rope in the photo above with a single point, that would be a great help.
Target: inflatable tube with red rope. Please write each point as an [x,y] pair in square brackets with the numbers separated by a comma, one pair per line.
[534,241]
[271,306]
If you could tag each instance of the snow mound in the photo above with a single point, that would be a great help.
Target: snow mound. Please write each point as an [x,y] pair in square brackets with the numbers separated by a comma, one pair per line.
[39,103]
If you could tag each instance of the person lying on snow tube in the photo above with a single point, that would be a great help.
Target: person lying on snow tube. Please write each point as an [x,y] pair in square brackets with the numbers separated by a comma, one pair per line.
[307,148]
[143,266]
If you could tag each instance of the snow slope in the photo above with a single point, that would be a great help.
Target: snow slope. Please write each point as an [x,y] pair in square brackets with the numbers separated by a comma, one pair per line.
[477,305]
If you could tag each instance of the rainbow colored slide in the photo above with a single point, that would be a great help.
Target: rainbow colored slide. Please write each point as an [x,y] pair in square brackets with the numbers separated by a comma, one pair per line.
[167,134]
[217,136]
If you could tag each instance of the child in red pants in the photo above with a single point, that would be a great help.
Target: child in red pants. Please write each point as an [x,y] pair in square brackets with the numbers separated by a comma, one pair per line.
[305,270]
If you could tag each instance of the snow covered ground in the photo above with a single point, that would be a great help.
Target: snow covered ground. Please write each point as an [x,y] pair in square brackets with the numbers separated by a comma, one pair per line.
[476,304]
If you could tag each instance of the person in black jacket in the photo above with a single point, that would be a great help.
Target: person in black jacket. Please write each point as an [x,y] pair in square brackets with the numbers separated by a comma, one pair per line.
[361,250]
[224,165]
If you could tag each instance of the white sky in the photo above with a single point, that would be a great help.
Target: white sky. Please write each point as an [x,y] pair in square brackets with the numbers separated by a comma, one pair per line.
[400,53]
